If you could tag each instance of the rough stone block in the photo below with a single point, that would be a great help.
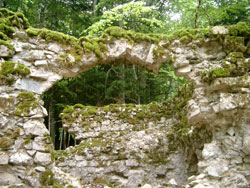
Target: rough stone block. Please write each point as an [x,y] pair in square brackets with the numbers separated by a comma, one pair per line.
[4,158]
[43,159]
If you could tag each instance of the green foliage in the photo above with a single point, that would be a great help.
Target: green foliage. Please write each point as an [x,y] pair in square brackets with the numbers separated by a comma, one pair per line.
[128,16]
[230,12]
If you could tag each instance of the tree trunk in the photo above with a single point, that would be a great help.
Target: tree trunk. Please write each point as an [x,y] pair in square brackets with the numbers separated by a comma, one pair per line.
[3,4]
[64,139]
[61,139]
[136,78]
[68,140]
[51,123]
[196,14]
[39,17]
[43,14]
[123,76]
[122,72]
[94,7]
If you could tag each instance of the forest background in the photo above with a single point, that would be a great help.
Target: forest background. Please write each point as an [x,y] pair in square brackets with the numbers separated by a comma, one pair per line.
[120,83]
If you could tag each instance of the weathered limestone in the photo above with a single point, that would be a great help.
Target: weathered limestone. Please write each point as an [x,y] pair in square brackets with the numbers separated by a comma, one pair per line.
[203,142]
[122,146]
[219,107]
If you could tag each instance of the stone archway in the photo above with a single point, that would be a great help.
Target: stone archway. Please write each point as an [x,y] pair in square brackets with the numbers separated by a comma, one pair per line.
[216,62]
[37,64]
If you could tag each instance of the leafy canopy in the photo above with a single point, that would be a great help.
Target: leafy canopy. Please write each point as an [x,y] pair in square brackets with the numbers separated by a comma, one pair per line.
[131,16]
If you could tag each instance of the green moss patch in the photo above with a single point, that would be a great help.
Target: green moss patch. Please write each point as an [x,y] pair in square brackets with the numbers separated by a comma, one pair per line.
[234,44]
[6,142]
[6,29]
[4,80]
[27,103]
[93,44]
[118,32]
[209,76]
[240,29]
[9,67]
[49,35]
[187,35]
[26,96]
[66,40]
[24,108]
[3,36]
[33,32]
[47,177]
[7,44]
[8,21]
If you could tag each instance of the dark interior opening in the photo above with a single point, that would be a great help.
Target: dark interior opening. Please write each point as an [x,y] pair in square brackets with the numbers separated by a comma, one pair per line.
[104,85]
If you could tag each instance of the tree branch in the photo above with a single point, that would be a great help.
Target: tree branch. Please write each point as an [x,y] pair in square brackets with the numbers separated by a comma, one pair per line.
[209,18]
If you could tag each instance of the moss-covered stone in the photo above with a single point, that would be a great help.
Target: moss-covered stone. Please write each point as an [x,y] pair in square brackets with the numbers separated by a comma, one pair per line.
[26,96]
[8,21]
[33,31]
[209,76]
[132,36]
[5,12]
[7,44]
[79,106]
[94,44]
[27,103]
[3,36]
[27,141]
[9,67]
[47,178]
[24,108]
[56,36]
[233,57]
[6,29]
[6,142]
[185,39]
[240,29]
[234,44]
[187,35]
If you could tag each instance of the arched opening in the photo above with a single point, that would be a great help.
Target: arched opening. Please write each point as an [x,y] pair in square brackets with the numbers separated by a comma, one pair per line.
[103,85]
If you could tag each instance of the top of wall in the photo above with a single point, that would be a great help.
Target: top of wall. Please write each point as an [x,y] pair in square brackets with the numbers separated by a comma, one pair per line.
[51,55]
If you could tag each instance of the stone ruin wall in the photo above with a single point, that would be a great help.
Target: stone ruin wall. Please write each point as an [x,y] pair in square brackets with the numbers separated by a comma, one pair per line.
[215,145]
[218,107]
